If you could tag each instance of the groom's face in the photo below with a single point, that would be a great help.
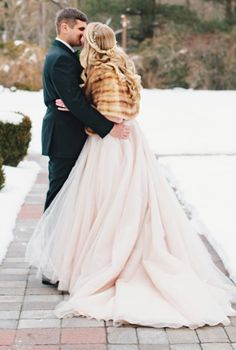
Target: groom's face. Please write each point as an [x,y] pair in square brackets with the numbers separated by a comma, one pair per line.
[75,33]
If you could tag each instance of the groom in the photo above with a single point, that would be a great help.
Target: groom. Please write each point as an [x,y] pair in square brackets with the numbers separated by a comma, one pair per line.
[63,134]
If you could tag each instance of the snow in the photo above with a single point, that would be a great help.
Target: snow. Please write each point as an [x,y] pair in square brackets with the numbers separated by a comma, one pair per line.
[10,117]
[33,58]
[18,180]
[18,42]
[5,68]
[30,104]
[207,184]
[193,133]
[18,183]
[189,122]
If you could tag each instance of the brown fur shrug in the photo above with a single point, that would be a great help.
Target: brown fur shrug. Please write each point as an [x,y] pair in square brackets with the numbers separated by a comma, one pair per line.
[110,95]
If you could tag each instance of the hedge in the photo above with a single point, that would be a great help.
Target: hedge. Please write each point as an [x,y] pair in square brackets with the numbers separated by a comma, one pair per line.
[2,176]
[14,140]
[21,65]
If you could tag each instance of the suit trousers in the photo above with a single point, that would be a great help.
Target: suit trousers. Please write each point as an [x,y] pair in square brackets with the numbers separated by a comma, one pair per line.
[59,170]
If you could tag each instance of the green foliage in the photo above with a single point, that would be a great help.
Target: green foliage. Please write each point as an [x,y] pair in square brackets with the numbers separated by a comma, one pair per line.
[177,13]
[176,58]
[177,75]
[214,63]
[14,50]
[186,19]
[188,52]
[229,6]
[213,26]
[157,71]
[25,62]
[14,140]
[141,14]
[147,16]
[102,10]
[173,46]
[2,176]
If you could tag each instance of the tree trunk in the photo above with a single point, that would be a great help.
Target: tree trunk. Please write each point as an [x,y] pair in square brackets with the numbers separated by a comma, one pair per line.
[147,19]
[188,3]
[42,24]
[228,9]
[5,35]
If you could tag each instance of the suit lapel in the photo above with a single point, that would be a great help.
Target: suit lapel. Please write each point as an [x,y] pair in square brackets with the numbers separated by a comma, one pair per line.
[58,43]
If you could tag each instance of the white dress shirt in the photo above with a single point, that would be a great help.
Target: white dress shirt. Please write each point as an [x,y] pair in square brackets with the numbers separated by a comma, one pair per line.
[65,43]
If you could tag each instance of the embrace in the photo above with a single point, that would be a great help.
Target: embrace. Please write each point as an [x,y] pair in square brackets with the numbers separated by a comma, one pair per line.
[113,234]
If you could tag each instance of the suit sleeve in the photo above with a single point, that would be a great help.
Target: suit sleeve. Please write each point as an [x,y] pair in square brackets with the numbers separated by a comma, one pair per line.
[66,85]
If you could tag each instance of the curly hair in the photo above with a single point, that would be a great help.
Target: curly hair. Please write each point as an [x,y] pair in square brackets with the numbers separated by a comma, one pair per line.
[100,48]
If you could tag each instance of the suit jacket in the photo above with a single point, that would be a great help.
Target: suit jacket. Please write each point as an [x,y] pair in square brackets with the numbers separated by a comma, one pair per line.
[63,133]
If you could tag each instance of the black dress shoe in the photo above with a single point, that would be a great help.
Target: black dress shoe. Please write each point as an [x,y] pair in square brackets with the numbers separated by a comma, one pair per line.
[47,281]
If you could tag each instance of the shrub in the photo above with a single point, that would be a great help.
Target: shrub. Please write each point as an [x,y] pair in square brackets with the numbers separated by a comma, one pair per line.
[177,13]
[2,176]
[188,59]
[177,74]
[212,26]
[187,19]
[21,65]
[14,140]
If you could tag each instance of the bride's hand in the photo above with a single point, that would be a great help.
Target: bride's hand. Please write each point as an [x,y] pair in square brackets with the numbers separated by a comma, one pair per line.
[61,106]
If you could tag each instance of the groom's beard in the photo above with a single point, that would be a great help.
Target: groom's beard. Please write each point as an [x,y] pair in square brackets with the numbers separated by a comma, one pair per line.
[75,42]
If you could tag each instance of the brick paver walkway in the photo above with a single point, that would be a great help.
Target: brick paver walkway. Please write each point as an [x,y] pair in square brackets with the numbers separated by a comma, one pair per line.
[27,321]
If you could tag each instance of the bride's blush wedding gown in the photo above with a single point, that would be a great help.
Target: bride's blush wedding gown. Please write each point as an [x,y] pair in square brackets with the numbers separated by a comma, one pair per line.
[118,241]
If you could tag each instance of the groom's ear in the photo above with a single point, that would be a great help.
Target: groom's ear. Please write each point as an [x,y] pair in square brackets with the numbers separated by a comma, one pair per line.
[63,27]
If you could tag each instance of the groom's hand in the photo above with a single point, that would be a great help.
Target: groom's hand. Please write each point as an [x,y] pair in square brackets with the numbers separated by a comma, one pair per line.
[121,131]
[60,105]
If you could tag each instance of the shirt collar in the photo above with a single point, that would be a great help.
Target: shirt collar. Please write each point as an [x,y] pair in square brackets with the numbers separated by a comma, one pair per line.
[65,43]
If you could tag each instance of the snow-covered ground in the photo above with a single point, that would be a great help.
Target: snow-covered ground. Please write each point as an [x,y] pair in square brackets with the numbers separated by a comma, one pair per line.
[189,122]
[208,185]
[183,127]
[19,181]
[29,103]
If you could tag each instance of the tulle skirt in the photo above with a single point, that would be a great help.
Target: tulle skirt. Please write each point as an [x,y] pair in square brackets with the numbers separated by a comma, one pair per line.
[118,241]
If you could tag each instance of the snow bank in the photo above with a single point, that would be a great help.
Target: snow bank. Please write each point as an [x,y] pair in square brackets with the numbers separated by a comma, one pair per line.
[10,117]
[189,122]
[18,183]
[208,186]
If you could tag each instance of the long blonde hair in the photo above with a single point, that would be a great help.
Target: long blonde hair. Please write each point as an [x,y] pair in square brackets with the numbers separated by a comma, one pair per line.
[100,48]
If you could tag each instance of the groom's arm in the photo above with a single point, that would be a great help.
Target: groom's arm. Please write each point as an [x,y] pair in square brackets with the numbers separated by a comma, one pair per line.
[64,79]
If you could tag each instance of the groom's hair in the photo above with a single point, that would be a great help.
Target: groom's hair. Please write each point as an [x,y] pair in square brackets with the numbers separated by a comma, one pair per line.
[69,15]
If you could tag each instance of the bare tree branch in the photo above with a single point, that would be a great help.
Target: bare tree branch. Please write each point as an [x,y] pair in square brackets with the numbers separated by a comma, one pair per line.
[56,2]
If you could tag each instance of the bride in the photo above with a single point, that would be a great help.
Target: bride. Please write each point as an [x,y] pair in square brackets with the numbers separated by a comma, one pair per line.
[115,237]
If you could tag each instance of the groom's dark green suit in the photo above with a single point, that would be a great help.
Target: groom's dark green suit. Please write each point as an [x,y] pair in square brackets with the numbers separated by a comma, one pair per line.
[63,134]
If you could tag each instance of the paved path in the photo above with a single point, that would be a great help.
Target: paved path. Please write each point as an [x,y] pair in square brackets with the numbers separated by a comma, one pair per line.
[28,323]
